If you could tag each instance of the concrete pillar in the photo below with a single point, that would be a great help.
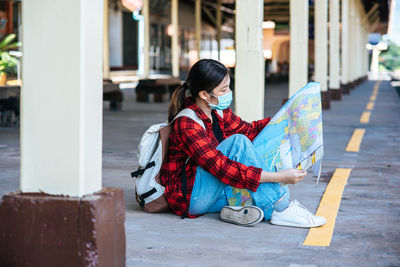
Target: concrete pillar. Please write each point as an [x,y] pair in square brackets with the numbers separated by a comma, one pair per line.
[175,36]
[115,37]
[361,36]
[334,52]
[61,98]
[198,27]
[70,218]
[358,40]
[366,55]
[363,43]
[146,38]
[352,40]
[219,24]
[363,51]
[249,71]
[298,68]
[106,47]
[375,63]
[345,47]
[321,49]
[363,48]
[274,66]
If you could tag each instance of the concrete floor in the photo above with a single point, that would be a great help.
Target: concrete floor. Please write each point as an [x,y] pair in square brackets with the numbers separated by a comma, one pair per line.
[367,231]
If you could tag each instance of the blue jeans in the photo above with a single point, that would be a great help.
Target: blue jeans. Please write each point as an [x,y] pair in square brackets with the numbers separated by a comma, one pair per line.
[208,193]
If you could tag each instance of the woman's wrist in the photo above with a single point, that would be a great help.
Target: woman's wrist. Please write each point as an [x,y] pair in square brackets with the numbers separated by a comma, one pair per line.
[270,177]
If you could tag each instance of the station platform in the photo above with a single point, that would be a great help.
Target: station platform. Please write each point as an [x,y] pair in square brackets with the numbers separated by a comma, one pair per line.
[364,230]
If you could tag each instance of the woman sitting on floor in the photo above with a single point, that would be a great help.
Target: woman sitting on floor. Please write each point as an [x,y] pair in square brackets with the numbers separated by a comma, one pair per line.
[204,164]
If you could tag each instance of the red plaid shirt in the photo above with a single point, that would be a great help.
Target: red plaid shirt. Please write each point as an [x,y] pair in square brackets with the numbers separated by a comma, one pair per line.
[189,139]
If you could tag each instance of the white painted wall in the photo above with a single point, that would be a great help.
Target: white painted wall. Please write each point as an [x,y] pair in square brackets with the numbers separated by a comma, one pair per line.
[115,37]
[61,97]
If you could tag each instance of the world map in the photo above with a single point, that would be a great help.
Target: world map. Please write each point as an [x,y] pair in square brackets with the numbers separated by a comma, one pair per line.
[292,139]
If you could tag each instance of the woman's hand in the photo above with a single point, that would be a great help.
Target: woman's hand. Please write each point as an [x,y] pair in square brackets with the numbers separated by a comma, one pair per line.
[289,176]
[292,176]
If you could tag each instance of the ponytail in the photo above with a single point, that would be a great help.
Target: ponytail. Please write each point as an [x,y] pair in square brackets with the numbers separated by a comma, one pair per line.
[177,101]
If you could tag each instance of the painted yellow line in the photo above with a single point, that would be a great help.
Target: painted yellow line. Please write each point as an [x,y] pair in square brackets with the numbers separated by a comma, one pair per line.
[328,208]
[370,106]
[355,140]
[372,98]
[376,88]
[365,117]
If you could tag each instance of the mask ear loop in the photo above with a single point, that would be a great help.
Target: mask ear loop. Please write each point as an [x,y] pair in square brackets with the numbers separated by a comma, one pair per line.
[213,96]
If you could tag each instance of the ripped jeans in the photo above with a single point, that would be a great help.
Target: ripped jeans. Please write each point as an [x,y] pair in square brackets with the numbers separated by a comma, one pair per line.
[208,195]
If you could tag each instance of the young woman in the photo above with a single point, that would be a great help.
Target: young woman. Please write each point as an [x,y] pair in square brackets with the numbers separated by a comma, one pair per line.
[204,164]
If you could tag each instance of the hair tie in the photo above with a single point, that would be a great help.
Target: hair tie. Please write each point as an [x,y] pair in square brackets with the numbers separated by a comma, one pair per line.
[185,86]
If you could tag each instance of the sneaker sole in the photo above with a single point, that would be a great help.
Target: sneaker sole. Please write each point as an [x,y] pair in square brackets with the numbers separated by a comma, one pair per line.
[294,225]
[245,216]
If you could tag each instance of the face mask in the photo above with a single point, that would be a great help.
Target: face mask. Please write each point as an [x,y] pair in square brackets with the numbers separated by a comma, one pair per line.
[224,101]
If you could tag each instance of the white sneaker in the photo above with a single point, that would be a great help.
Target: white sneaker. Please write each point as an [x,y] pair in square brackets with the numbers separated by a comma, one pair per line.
[296,215]
[243,216]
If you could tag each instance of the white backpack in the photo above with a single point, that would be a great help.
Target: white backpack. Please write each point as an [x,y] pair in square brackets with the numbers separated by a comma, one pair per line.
[152,152]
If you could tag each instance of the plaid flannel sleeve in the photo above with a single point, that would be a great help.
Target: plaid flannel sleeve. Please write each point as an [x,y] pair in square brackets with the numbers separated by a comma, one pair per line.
[197,144]
[235,125]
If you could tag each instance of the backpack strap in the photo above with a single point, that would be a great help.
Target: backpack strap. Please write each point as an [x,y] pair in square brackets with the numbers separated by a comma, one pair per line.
[184,190]
[140,198]
[190,113]
[140,171]
[187,112]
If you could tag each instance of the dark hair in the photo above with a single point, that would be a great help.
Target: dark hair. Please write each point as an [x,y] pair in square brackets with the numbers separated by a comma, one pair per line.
[204,75]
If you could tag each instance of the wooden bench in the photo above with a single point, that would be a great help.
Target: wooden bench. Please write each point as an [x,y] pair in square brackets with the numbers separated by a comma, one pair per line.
[9,105]
[112,93]
[157,86]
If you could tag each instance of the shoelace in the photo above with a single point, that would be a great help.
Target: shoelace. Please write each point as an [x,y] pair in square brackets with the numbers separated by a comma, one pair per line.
[299,209]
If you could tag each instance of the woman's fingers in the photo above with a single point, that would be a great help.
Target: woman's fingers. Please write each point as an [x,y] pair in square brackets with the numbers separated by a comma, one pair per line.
[293,176]
[300,175]
[303,174]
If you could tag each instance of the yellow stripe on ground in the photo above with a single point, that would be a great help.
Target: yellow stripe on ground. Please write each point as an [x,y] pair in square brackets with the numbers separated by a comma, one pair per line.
[328,209]
[355,140]
[372,98]
[370,106]
[365,117]
[376,88]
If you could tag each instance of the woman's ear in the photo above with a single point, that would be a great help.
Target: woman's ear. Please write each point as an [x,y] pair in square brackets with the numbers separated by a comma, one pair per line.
[203,95]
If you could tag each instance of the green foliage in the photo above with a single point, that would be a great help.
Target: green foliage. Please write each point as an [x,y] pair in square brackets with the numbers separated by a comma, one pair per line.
[8,63]
[390,59]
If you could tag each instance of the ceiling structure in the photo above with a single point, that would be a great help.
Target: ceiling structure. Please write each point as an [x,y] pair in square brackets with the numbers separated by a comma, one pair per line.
[278,11]
[274,10]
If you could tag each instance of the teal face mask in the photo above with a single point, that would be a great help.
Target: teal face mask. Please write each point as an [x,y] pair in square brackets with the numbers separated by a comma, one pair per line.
[224,101]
